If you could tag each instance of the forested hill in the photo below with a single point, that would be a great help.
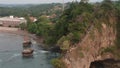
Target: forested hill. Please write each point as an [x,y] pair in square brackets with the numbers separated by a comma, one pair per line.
[31,9]
[75,21]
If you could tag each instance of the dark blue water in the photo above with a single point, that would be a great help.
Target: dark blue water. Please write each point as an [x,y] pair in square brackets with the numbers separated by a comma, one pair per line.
[10,54]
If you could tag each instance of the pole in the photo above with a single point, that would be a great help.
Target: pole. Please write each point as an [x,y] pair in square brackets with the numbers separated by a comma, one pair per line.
[63,5]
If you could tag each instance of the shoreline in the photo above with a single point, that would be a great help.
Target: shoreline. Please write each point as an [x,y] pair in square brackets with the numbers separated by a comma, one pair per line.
[20,32]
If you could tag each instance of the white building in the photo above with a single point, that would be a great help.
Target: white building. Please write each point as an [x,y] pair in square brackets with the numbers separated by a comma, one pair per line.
[11,21]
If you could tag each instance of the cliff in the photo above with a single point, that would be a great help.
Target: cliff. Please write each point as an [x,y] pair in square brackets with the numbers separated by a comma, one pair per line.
[89,49]
[87,33]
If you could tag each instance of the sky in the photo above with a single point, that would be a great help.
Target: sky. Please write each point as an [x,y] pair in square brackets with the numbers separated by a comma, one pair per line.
[37,1]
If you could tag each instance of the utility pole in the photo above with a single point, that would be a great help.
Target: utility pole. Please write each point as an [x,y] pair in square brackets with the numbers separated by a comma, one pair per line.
[63,5]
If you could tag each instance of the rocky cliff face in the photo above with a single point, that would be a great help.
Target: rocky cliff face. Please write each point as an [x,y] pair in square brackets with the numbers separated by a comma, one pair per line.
[91,46]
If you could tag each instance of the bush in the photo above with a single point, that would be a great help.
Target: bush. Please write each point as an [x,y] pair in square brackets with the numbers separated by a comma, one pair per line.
[64,43]
[76,37]
[57,63]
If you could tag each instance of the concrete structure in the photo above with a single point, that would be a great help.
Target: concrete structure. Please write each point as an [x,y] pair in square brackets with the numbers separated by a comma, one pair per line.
[11,21]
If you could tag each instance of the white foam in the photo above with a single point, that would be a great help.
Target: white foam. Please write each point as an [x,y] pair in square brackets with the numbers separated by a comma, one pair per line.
[42,51]
[34,52]
[14,55]
[34,42]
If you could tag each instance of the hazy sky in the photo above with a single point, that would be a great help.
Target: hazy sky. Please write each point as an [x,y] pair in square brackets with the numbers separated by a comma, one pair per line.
[36,1]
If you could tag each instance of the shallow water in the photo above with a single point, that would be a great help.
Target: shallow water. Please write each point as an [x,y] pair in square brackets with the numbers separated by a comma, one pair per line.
[10,54]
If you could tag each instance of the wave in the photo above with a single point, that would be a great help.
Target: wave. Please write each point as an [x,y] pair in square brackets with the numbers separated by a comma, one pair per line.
[42,51]
[14,55]
[11,58]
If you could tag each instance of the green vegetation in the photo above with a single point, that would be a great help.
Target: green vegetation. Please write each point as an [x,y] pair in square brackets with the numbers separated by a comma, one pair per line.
[70,27]
[116,13]
[33,10]
[74,23]
[64,44]
[58,63]
[40,27]
[118,24]
[78,19]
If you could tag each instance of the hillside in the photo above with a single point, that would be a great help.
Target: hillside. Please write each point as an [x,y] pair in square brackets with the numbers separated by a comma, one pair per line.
[86,33]
[31,9]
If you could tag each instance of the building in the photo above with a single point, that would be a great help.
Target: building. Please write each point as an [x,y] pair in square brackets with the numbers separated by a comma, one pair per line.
[11,21]
[33,19]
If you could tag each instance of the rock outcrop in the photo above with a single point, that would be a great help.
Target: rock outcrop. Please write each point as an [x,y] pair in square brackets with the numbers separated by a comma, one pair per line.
[89,49]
